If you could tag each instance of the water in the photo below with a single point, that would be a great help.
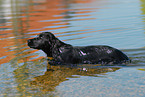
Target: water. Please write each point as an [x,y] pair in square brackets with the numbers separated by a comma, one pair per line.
[23,71]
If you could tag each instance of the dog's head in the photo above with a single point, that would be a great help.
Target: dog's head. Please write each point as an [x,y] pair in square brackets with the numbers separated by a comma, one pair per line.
[43,41]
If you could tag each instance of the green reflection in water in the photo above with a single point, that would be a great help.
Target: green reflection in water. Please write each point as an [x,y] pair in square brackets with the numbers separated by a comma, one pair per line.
[143,10]
[143,6]
[141,69]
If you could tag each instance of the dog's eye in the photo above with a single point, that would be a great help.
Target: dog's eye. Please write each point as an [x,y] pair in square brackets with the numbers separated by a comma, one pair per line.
[40,36]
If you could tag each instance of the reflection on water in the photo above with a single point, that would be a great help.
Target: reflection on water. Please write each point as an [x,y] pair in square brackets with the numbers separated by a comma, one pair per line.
[57,74]
[79,22]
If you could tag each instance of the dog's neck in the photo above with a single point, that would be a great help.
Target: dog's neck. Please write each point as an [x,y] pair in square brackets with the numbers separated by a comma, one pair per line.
[55,45]
[48,52]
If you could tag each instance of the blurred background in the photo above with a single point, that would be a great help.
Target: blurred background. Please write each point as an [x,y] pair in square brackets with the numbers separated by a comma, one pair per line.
[120,24]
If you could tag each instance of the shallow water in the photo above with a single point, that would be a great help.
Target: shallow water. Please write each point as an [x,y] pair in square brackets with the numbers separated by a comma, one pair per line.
[23,71]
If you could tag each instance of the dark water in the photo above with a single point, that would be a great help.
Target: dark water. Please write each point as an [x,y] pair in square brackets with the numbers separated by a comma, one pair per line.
[23,71]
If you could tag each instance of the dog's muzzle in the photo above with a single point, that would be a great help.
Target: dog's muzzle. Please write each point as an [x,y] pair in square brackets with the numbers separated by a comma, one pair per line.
[30,43]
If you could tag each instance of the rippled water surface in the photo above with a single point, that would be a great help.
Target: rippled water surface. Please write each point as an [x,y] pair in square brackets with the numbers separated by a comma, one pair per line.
[118,23]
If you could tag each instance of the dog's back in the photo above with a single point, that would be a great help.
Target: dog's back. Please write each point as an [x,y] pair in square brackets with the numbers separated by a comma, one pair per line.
[92,55]
[102,55]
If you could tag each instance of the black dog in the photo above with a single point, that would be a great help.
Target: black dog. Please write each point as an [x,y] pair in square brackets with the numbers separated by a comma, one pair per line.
[67,54]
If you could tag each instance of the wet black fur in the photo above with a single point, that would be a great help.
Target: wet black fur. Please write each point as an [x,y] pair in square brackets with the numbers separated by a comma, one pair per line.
[67,54]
